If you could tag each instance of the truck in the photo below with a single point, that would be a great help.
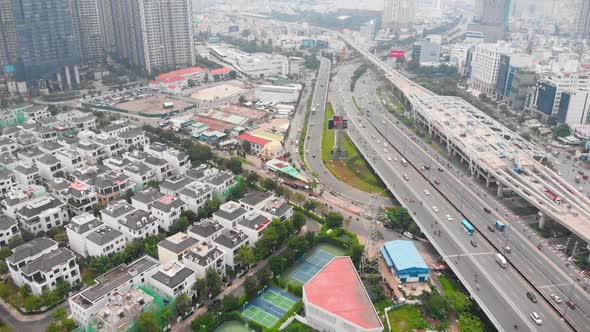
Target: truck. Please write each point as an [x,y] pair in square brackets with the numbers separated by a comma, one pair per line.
[500,225]
[501,260]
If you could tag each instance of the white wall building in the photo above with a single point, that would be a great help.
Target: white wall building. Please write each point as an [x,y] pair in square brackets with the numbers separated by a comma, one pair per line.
[173,279]
[85,304]
[8,230]
[485,64]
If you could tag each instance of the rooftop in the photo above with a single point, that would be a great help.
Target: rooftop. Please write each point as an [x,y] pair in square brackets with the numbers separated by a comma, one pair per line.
[104,235]
[49,261]
[178,242]
[172,274]
[230,211]
[253,139]
[167,203]
[205,228]
[404,255]
[6,222]
[338,289]
[116,277]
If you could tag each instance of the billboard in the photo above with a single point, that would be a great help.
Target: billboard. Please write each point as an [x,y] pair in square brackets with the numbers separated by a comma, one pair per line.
[397,54]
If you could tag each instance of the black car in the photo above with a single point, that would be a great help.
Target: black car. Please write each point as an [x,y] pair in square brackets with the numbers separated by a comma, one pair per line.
[531,297]
[487,210]
[473,243]
[491,228]
[440,169]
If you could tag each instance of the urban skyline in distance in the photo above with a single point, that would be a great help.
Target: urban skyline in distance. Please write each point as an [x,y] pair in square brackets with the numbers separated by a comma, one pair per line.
[294,165]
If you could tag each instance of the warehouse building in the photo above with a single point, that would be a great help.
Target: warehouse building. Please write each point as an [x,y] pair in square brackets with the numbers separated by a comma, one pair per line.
[405,261]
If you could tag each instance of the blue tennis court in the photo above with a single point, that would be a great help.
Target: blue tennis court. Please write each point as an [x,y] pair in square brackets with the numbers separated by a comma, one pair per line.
[311,266]
[269,306]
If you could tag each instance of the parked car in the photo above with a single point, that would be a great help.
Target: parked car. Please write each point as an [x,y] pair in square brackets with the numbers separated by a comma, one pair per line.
[408,235]
[436,182]
[531,297]
[473,243]
[491,228]
[487,210]
[435,209]
[449,218]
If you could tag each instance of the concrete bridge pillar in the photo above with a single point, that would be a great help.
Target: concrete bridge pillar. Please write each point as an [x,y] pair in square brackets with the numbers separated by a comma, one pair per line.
[500,190]
[544,220]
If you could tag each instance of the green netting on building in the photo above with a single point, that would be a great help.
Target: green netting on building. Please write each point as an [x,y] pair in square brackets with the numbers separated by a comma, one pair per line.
[15,118]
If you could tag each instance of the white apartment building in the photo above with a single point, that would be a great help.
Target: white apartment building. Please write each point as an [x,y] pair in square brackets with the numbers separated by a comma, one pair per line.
[206,230]
[196,195]
[160,167]
[143,199]
[70,159]
[80,197]
[179,161]
[7,181]
[167,210]
[574,107]
[173,279]
[203,257]
[230,241]
[42,214]
[133,139]
[485,64]
[85,304]
[175,246]
[229,214]
[105,241]
[78,229]
[49,167]
[27,174]
[40,264]
[8,230]
[133,223]
[552,86]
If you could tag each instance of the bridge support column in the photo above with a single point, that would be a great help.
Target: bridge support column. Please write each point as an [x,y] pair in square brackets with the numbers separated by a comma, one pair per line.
[500,190]
[544,220]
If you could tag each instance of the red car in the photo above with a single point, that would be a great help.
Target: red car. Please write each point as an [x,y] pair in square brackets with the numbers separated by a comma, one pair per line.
[436,182]
[570,304]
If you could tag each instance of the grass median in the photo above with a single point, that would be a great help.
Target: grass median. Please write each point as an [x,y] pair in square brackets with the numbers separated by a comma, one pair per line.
[354,171]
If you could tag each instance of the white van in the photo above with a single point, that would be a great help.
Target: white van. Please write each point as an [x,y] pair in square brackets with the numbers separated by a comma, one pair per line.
[501,260]
[404,162]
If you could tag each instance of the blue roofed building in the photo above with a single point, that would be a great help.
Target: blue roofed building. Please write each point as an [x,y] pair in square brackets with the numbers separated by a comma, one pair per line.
[405,261]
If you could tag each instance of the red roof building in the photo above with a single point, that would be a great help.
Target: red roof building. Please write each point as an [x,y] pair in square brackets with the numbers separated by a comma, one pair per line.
[256,143]
[336,300]
[220,71]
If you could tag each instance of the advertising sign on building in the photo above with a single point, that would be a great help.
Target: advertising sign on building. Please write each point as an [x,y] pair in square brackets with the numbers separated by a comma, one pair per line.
[397,54]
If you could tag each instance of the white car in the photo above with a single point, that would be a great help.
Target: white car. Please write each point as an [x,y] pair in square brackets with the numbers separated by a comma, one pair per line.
[435,209]
[389,158]
[385,145]
[426,192]
[385,150]
[378,141]
[536,318]
[449,218]
[408,235]
[555,298]
[406,177]
[395,159]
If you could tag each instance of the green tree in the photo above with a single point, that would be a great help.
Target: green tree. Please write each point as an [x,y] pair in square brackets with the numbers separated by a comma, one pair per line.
[245,256]
[234,165]
[437,306]
[183,304]
[60,314]
[31,303]
[15,241]
[470,323]
[277,264]
[210,207]
[252,179]
[459,301]
[213,281]
[148,322]
[310,205]
[230,303]
[54,327]
[203,323]
[334,220]
[180,225]
[246,146]
[562,130]
[237,192]
[200,287]
[153,183]
[68,324]
[298,220]
[297,245]
[250,285]
[269,184]
[399,217]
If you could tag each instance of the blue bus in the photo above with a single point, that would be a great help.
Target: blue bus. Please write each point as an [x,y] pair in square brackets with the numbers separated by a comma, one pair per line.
[468,227]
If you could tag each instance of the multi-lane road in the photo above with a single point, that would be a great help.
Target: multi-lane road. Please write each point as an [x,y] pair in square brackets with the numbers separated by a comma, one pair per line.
[313,147]
[500,292]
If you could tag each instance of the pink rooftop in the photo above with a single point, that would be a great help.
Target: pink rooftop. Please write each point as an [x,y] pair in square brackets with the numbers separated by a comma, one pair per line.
[338,289]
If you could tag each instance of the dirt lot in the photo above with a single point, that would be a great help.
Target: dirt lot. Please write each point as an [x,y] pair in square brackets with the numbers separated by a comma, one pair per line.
[153,105]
